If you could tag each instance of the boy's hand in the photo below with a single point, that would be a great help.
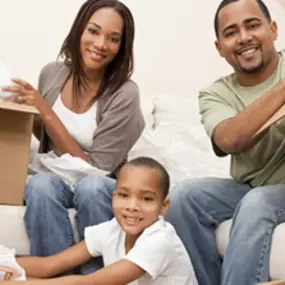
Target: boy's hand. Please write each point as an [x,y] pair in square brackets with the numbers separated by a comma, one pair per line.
[9,272]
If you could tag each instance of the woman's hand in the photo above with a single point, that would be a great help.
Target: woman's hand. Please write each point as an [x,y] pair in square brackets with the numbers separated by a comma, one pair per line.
[24,93]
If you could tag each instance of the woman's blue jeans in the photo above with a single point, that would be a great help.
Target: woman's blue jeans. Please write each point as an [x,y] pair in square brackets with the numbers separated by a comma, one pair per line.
[48,199]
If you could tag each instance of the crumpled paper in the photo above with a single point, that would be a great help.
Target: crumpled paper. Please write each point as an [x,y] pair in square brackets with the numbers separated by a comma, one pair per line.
[8,261]
[5,80]
[71,169]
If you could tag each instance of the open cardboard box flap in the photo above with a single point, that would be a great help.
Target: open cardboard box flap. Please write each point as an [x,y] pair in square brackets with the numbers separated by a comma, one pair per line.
[277,116]
[18,107]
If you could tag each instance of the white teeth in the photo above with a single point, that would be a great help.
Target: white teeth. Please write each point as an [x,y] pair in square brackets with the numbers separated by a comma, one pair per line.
[132,221]
[248,51]
[95,55]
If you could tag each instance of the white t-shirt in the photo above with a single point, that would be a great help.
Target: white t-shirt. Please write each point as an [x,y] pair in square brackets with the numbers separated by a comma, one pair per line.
[80,126]
[158,251]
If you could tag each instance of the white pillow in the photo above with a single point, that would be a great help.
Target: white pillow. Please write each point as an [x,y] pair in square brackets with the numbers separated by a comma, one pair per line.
[181,109]
[147,106]
[185,151]
[148,145]
[191,148]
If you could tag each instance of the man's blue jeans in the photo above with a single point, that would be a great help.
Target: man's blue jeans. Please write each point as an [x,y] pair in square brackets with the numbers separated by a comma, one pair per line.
[196,208]
[48,199]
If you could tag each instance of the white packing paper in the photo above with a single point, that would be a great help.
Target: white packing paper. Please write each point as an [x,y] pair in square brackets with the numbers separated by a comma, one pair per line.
[5,80]
[70,169]
[8,261]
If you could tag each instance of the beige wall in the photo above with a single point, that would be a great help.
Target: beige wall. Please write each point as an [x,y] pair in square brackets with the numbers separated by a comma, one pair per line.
[282,2]
[174,47]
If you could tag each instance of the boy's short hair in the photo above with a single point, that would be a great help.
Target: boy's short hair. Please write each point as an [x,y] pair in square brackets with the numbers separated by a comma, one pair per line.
[151,163]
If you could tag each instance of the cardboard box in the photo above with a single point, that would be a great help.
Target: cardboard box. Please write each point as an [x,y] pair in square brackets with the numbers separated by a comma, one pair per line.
[277,116]
[16,124]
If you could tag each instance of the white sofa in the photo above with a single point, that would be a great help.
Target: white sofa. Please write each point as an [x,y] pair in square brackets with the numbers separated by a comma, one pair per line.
[174,136]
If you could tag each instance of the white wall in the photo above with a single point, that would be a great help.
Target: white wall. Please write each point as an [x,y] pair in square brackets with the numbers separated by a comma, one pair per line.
[174,48]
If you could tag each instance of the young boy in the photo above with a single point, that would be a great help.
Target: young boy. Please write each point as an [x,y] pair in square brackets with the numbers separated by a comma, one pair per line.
[137,246]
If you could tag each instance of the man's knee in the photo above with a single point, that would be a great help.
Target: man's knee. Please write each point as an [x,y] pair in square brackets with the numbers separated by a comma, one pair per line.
[256,205]
[193,190]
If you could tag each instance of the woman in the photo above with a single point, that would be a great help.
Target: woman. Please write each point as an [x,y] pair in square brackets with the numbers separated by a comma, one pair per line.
[90,109]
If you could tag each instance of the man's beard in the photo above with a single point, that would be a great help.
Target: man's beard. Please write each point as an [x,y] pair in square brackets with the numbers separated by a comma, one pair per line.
[254,69]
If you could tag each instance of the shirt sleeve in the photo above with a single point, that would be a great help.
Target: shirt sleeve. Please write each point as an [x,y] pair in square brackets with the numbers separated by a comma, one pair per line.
[120,127]
[214,109]
[152,254]
[96,237]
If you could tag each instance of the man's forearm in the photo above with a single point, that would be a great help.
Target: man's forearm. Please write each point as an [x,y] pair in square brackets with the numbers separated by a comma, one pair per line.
[238,133]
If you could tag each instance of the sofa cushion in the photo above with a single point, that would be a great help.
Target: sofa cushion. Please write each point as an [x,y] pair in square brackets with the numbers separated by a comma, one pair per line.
[13,233]
[277,265]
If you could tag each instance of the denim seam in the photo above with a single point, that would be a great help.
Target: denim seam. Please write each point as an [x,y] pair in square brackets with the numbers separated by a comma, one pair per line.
[70,231]
[221,217]
[208,219]
[77,203]
[278,214]
[266,246]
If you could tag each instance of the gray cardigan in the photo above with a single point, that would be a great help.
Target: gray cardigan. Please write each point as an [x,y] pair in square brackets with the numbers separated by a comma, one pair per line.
[119,118]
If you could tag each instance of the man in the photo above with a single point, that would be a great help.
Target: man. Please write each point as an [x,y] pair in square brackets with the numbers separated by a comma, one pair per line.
[233,110]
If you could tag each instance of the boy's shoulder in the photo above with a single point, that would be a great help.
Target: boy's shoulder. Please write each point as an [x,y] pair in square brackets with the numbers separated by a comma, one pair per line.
[161,253]
[159,226]
[105,229]
[160,232]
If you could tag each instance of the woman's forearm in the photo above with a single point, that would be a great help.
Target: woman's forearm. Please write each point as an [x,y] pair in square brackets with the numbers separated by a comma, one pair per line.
[59,135]
[37,127]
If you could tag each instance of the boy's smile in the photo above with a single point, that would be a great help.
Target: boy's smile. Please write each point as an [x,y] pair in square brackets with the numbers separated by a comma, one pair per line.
[131,221]
[138,199]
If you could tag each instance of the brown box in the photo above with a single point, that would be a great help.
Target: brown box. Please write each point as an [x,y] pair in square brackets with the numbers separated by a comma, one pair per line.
[16,124]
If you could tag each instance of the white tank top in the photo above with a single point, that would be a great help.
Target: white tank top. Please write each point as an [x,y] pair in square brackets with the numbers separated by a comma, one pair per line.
[80,126]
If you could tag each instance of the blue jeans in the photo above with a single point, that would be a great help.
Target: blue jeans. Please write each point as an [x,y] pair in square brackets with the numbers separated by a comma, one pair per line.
[197,207]
[48,199]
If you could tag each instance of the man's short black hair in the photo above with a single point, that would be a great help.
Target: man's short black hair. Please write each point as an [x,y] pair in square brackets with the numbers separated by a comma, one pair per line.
[225,3]
[148,162]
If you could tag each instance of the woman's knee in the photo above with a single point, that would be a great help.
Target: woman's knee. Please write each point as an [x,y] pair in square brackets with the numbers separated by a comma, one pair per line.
[43,185]
[94,186]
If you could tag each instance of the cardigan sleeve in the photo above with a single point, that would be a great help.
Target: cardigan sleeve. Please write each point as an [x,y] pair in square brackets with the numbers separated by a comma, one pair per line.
[120,126]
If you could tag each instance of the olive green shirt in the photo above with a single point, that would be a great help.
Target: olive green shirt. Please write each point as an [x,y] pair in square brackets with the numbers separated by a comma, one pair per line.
[264,163]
